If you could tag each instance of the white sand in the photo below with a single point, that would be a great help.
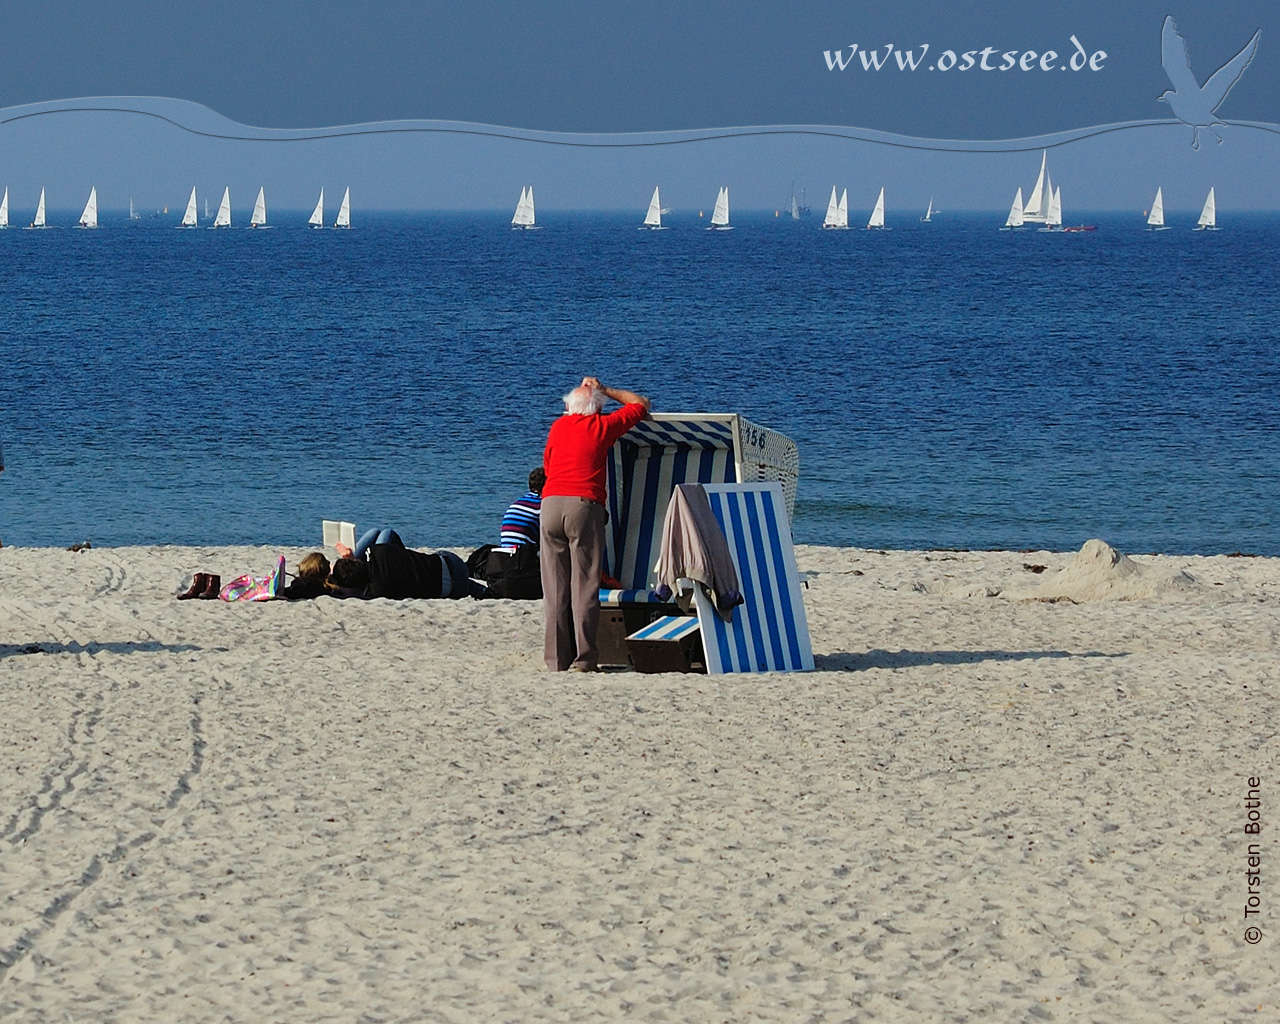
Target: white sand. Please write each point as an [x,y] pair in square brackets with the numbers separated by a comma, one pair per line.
[1019,807]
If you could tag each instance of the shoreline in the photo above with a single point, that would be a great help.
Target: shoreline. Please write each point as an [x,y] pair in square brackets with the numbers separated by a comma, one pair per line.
[998,805]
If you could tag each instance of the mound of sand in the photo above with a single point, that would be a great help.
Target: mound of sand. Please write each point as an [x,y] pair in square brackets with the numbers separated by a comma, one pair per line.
[1101,573]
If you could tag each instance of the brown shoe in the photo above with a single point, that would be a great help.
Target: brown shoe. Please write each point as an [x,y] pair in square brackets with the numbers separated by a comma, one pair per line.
[213,584]
[198,585]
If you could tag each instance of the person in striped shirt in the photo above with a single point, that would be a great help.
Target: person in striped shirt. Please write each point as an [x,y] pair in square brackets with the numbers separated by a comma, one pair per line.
[520,524]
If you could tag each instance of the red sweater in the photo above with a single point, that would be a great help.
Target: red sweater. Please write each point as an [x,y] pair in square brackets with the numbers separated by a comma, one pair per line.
[577,448]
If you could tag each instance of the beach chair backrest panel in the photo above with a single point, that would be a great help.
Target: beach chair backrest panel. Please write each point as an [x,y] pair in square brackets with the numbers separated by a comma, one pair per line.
[765,454]
[769,632]
[644,468]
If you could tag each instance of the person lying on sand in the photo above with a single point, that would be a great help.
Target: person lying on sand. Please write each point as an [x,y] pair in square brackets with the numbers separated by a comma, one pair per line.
[381,566]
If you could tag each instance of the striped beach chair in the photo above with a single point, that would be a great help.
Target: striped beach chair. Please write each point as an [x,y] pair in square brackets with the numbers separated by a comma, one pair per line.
[769,631]
[651,459]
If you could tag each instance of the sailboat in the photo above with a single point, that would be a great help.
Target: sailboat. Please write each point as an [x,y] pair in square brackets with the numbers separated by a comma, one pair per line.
[1036,208]
[1053,215]
[38,222]
[1015,213]
[1209,215]
[928,214]
[832,219]
[795,209]
[258,219]
[344,211]
[524,216]
[4,209]
[877,215]
[653,219]
[89,219]
[1155,220]
[720,215]
[133,214]
[223,219]
[189,218]
[316,220]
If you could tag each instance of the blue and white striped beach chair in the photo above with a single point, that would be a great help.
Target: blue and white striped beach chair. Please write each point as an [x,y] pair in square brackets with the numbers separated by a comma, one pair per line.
[769,631]
[669,449]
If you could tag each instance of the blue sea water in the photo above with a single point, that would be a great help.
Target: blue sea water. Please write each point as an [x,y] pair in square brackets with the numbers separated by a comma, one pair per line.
[948,384]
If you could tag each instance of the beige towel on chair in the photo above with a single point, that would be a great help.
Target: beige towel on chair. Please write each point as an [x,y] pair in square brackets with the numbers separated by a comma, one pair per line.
[694,547]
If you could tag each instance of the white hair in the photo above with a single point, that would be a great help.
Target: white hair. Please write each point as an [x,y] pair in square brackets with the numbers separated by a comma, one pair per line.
[583,401]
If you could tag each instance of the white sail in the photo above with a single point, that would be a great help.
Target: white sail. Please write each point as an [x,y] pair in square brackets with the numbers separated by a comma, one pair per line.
[4,209]
[223,219]
[189,218]
[316,220]
[1015,211]
[1156,218]
[928,214]
[89,219]
[1209,215]
[39,221]
[842,211]
[720,215]
[1053,218]
[259,216]
[832,219]
[524,216]
[653,219]
[133,214]
[1034,209]
[877,215]
[344,211]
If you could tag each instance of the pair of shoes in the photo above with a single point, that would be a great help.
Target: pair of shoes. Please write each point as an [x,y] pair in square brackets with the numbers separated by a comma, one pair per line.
[205,586]
[199,584]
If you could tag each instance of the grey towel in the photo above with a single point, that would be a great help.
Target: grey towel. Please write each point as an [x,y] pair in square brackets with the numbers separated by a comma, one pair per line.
[694,547]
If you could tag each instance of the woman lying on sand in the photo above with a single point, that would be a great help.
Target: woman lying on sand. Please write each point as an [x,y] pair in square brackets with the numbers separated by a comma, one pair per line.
[381,566]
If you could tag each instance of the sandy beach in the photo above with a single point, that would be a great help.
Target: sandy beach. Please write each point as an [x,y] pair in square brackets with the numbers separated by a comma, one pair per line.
[1011,791]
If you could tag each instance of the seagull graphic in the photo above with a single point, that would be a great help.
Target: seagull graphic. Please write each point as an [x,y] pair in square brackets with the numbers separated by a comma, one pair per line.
[1192,103]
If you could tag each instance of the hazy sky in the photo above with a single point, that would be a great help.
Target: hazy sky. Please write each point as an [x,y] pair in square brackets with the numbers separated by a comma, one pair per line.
[570,66]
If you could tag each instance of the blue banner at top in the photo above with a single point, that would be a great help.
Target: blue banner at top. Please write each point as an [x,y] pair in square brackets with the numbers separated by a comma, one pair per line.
[961,71]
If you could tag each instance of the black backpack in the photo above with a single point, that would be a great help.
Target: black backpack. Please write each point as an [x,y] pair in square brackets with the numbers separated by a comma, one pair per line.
[515,575]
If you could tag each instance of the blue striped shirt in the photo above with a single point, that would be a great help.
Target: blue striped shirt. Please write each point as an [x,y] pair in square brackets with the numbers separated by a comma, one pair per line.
[520,524]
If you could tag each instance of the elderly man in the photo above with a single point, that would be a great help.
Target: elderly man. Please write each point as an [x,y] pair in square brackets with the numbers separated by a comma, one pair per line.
[573,518]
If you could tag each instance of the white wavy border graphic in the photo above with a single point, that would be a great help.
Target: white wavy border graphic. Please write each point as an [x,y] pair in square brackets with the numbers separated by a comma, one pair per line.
[197,119]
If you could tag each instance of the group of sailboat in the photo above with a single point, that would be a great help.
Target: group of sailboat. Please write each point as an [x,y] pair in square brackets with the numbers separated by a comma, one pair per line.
[1044,207]
[837,217]
[258,219]
[1208,214]
[343,220]
[223,218]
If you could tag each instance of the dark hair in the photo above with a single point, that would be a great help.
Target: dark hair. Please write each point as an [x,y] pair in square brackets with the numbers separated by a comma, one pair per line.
[537,480]
[350,573]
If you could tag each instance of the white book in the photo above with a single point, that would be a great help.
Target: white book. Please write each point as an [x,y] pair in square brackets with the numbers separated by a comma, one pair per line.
[338,532]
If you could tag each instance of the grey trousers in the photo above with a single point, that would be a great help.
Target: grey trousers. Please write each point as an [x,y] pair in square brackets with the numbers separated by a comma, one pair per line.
[572,557]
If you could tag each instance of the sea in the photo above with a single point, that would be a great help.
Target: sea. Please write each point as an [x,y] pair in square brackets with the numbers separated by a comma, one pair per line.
[948,385]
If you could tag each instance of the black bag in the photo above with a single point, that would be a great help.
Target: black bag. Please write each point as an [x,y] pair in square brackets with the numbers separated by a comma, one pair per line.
[515,575]
[478,561]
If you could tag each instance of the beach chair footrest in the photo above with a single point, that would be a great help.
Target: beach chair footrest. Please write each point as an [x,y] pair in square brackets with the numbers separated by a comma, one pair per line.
[672,643]
[618,622]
